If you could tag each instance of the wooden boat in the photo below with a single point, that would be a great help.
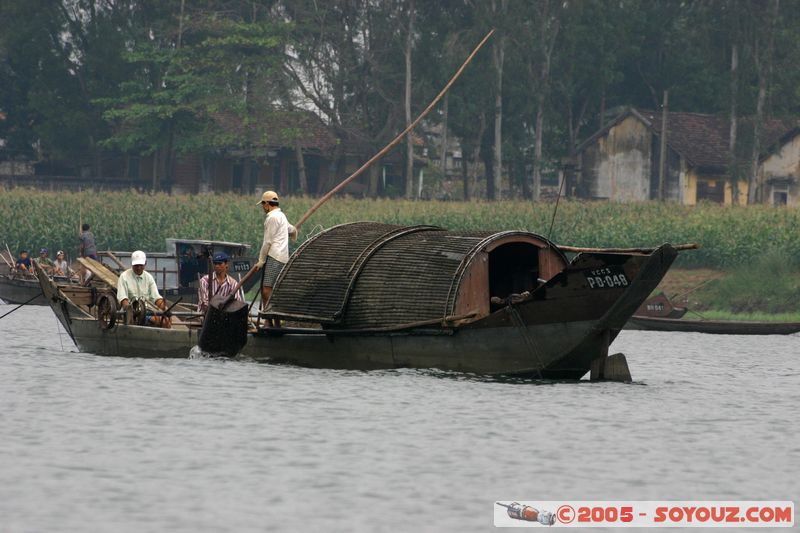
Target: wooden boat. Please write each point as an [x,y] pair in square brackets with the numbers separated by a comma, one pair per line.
[176,270]
[716,327]
[370,296]
[658,313]
[659,306]
[19,287]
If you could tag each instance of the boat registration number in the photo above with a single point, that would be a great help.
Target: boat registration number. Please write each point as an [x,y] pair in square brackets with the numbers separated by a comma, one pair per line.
[241,266]
[612,277]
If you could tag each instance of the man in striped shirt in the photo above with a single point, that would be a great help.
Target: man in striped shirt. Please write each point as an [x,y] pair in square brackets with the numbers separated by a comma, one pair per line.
[221,283]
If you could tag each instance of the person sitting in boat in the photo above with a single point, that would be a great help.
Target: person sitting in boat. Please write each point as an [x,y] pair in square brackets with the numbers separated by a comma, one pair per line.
[221,283]
[60,265]
[45,262]
[23,263]
[136,284]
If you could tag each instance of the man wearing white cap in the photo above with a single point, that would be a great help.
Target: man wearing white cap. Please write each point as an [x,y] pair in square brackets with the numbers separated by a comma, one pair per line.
[275,248]
[136,284]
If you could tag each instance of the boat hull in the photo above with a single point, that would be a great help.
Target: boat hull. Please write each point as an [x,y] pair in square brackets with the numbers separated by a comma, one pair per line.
[18,291]
[480,351]
[715,327]
[558,333]
[496,350]
[132,341]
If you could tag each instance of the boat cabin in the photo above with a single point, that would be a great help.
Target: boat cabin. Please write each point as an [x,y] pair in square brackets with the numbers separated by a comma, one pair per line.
[368,275]
[179,269]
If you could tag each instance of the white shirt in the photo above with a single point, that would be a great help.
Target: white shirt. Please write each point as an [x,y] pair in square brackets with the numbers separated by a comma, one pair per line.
[131,286]
[276,237]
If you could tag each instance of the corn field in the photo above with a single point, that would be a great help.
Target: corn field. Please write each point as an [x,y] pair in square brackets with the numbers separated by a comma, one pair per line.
[729,236]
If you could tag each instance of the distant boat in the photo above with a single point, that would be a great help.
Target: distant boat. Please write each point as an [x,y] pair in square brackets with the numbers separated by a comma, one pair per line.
[19,289]
[175,271]
[372,296]
[659,314]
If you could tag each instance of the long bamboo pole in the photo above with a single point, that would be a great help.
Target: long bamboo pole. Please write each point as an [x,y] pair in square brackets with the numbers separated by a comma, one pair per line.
[578,249]
[397,139]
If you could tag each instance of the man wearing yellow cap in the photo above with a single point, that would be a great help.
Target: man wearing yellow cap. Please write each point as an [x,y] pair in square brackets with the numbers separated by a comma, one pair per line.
[275,248]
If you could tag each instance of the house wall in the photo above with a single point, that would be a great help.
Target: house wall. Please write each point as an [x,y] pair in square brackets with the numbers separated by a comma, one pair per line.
[186,174]
[785,166]
[16,168]
[617,165]
[693,178]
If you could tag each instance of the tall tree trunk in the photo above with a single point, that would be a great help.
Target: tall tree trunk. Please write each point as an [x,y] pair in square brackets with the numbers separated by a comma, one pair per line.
[662,148]
[476,155]
[498,57]
[602,109]
[547,41]
[465,175]
[180,25]
[373,173]
[763,60]
[156,157]
[410,136]
[301,168]
[443,155]
[733,170]
[536,189]
[97,157]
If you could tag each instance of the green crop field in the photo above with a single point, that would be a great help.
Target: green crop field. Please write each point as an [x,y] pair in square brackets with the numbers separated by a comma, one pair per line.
[728,236]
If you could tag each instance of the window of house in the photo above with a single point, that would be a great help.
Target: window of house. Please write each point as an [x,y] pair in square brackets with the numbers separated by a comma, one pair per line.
[780,197]
[711,190]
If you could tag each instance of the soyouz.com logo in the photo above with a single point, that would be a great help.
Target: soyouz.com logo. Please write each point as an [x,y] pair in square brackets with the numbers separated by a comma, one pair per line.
[619,514]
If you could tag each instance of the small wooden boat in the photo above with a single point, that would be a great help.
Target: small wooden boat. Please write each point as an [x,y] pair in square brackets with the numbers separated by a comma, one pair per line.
[658,313]
[715,327]
[371,296]
[19,289]
[176,270]
[659,306]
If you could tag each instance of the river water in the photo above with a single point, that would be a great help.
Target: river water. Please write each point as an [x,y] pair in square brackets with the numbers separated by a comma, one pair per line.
[92,443]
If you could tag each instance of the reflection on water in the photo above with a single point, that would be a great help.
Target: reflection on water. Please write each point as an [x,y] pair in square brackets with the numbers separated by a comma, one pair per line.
[111,444]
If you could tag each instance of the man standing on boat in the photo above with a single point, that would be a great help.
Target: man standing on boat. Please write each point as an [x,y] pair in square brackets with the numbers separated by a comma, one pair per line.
[88,248]
[275,248]
[136,284]
[221,283]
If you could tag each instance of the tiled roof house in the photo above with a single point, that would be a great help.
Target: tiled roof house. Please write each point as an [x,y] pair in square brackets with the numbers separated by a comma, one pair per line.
[621,161]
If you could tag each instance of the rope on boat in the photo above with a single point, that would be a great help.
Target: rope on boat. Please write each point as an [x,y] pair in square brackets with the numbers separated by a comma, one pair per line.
[528,341]
[20,305]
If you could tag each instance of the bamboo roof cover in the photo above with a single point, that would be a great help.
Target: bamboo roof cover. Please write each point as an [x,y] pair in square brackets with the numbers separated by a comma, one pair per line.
[367,275]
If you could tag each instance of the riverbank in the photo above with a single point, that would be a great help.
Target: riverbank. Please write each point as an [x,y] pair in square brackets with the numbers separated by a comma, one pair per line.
[727,295]
[728,236]
[748,261]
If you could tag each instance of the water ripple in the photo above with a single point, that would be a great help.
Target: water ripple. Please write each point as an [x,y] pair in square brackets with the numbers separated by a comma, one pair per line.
[93,443]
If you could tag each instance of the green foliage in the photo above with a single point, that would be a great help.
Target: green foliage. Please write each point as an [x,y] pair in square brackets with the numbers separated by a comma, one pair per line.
[764,283]
[729,236]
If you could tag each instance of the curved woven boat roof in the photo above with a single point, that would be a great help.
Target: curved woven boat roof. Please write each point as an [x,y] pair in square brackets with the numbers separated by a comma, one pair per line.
[367,275]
